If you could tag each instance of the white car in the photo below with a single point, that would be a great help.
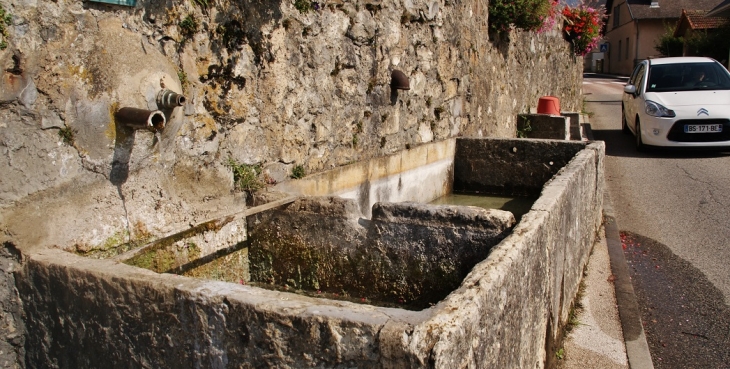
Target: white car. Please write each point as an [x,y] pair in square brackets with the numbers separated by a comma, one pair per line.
[678,102]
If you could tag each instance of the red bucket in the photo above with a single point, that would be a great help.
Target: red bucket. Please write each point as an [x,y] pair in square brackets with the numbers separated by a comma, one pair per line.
[548,105]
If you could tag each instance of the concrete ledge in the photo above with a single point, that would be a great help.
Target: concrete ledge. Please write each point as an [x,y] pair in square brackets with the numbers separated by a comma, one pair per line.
[393,178]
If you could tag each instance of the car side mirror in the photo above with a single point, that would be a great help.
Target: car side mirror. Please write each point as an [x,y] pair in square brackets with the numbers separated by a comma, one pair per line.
[630,89]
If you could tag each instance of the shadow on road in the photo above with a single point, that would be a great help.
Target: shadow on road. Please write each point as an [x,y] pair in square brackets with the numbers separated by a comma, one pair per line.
[622,145]
[623,79]
[686,320]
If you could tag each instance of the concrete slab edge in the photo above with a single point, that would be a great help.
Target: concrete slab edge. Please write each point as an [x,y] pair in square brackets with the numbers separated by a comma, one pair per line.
[637,348]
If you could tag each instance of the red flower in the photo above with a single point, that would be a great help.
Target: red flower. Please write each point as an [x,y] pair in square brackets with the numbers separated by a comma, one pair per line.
[583,25]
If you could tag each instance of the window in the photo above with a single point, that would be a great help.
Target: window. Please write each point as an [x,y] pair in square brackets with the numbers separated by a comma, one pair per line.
[619,49]
[616,13]
[640,78]
[688,77]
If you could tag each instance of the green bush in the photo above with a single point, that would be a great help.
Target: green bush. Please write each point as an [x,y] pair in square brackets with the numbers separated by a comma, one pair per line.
[668,45]
[528,15]
[712,43]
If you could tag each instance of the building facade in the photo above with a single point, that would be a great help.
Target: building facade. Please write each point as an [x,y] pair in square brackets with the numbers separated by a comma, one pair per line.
[634,27]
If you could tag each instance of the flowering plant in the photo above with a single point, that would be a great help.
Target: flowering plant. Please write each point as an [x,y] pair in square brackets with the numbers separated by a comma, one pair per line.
[583,27]
[548,21]
[528,15]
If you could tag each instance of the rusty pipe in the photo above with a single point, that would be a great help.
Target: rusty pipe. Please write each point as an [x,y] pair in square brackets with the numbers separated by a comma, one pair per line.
[141,118]
[168,99]
[399,80]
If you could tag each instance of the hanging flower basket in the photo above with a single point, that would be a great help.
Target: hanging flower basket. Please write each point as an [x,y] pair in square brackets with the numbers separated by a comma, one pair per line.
[582,28]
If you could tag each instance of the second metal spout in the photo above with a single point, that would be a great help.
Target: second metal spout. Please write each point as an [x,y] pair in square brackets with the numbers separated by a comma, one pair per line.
[168,99]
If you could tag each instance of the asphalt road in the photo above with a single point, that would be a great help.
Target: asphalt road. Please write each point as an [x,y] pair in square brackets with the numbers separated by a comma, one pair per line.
[673,211]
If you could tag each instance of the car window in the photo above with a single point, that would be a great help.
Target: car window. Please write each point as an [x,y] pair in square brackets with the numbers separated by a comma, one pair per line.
[688,77]
[639,83]
[634,74]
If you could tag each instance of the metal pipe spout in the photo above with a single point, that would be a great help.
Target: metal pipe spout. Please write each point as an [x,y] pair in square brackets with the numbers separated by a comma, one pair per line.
[399,80]
[168,99]
[141,118]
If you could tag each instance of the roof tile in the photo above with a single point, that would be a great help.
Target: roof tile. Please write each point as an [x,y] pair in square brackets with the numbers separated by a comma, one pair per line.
[698,20]
[668,8]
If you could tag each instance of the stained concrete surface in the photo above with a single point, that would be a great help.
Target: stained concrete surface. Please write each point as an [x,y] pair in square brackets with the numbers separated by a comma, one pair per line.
[597,340]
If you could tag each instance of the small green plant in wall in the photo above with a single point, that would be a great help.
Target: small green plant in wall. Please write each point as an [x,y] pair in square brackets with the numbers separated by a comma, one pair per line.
[304,5]
[576,308]
[584,109]
[298,172]
[245,176]
[523,127]
[184,82]
[560,354]
[189,25]
[67,134]
[5,20]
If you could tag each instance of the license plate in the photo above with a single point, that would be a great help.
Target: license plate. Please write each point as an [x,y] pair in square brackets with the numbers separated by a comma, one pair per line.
[703,128]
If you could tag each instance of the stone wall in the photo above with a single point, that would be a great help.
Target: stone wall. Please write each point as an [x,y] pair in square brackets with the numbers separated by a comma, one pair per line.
[267,82]
[510,167]
[12,328]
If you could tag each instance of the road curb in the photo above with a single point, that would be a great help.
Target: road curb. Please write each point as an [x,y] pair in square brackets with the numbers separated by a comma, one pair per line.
[637,349]
[605,75]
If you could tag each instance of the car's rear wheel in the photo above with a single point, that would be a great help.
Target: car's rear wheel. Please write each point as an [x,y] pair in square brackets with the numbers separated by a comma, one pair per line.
[624,125]
[639,142]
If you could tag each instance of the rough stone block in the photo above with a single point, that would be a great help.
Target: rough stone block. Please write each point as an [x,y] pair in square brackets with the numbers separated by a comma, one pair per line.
[543,126]
[574,124]
[410,255]
[509,167]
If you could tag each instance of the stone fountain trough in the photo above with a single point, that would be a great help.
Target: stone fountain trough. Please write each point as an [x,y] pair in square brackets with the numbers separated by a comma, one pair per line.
[342,269]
